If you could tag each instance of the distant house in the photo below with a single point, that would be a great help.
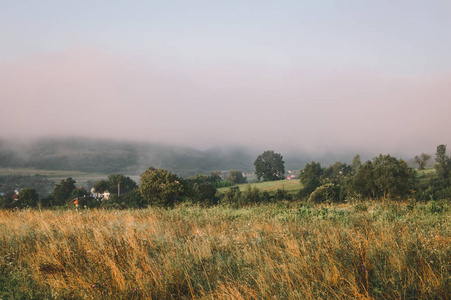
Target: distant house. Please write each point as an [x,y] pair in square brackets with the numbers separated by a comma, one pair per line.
[16,195]
[105,195]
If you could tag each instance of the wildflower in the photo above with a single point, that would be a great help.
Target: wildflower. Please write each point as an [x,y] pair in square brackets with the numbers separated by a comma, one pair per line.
[93,285]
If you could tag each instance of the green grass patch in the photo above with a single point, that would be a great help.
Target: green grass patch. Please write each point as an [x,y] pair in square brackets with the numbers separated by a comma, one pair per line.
[290,186]
[48,173]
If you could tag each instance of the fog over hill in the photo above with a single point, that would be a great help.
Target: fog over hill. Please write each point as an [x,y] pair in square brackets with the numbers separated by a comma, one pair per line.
[132,158]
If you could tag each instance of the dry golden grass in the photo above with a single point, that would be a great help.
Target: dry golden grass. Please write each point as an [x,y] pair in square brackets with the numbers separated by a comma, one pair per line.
[263,252]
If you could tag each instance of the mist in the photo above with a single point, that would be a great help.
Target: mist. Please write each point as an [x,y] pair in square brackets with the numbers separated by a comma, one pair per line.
[333,96]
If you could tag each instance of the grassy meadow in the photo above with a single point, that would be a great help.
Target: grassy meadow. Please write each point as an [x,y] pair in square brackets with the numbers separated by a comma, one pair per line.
[57,174]
[287,250]
[290,186]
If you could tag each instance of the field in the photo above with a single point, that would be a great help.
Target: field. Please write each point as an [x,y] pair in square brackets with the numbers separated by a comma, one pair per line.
[290,186]
[55,174]
[275,251]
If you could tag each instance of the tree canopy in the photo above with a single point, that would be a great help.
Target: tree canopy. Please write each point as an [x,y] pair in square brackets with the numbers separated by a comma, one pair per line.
[443,165]
[161,187]
[269,166]
[383,177]
[63,191]
[310,177]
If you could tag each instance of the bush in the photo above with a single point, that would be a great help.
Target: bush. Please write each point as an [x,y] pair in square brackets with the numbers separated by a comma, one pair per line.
[326,192]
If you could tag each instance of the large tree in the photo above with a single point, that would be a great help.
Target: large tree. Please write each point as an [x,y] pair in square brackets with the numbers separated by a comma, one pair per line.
[393,176]
[385,176]
[161,187]
[269,166]
[120,184]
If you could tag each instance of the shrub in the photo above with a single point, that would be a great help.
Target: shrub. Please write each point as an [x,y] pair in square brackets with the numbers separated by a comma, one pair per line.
[326,192]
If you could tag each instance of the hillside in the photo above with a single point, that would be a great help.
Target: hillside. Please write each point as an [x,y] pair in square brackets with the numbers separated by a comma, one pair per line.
[103,156]
[132,158]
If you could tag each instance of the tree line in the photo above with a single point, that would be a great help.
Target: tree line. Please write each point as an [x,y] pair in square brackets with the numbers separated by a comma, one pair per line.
[384,177]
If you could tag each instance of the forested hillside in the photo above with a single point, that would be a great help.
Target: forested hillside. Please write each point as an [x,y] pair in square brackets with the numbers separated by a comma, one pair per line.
[103,156]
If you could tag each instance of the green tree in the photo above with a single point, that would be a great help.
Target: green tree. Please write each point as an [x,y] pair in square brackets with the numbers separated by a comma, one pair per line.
[422,160]
[79,192]
[101,186]
[310,177]
[202,189]
[120,184]
[269,166]
[385,176]
[215,177]
[162,188]
[236,177]
[443,165]
[362,183]
[356,163]
[393,177]
[28,197]
[336,173]
[62,192]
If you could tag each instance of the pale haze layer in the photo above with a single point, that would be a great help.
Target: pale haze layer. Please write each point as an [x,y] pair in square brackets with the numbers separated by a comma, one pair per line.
[297,75]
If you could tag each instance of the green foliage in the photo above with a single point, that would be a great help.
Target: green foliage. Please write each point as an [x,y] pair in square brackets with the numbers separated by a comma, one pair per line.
[161,188]
[236,177]
[101,186]
[62,192]
[120,184]
[202,189]
[310,177]
[251,195]
[132,199]
[356,164]
[422,160]
[269,166]
[281,194]
[215,177]
[384,177]
[443,165]
[362,184]
[393,177]
[232,195]
[88,202]
[28,197]
[336,173]
[41,184]
[79,192]
[325,193]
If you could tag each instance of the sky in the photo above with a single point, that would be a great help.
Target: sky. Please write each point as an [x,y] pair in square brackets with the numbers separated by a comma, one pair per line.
[284,75]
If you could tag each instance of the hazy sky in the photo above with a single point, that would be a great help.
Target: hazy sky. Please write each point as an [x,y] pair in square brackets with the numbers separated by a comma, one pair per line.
[312,75]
